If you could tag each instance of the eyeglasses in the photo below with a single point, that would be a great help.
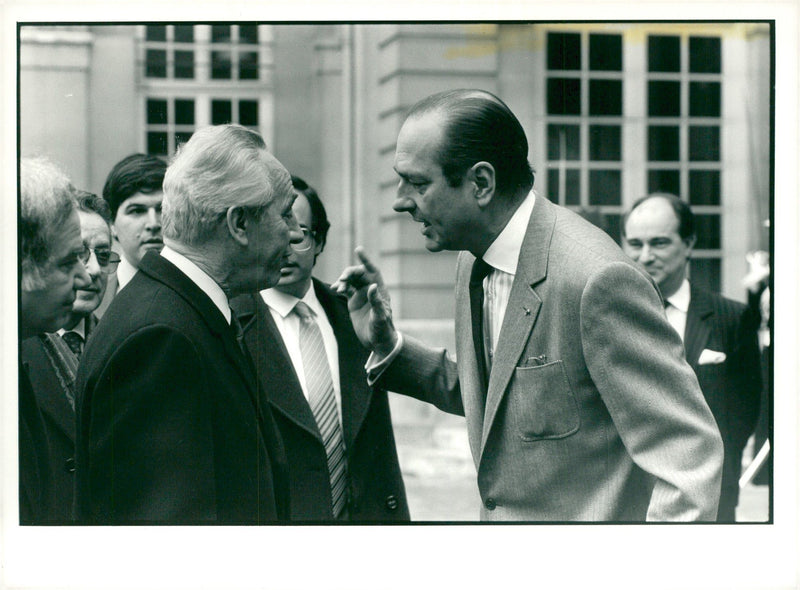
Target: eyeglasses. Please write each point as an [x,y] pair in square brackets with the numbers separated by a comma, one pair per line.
[107,260]
[306,242]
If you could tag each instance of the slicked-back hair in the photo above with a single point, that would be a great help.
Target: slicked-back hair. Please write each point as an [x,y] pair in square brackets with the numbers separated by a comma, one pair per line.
[47,200]
[479,127]
[686,222]
[319,217]
[137,173]
[219,167]
[91,203]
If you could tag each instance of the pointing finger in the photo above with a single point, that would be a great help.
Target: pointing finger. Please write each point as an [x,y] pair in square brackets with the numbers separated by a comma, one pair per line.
[362,256]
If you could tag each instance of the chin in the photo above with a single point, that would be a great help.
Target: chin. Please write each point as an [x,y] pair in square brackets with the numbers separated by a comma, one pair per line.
[432,246]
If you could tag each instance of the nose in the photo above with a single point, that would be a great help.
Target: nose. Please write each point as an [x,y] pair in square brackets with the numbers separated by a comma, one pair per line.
[153,219]
[82,278]
[92,266]
[646,254]
[295,233]
[403,203]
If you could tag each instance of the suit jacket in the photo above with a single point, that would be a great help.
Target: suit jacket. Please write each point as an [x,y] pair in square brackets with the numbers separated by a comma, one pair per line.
[36,491]
[591,412]
[50,390]
[732,388]
[172,427]
[376,485]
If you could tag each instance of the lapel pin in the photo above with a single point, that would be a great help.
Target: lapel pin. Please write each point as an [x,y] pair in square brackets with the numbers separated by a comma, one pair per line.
[527,311]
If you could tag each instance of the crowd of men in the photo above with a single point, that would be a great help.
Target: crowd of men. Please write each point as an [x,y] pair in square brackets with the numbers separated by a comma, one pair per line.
[179,363]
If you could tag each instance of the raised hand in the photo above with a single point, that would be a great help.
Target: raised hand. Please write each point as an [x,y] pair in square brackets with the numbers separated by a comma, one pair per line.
[369,304]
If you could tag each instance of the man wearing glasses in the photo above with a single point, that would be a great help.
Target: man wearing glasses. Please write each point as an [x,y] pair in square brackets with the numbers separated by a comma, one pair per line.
[52,358]
[336,430]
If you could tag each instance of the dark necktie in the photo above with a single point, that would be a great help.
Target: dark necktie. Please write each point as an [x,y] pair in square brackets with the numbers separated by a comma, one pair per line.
[322,400]
[480,270]
[238,334]
[74,341]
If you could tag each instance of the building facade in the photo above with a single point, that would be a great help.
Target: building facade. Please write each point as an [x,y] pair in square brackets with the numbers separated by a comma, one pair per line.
[612,111]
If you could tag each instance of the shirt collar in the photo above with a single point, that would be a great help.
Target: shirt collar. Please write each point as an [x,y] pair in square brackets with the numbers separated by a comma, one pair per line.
[283,303]
[200,278]
[680,298]
[125,272]
[79,329]
[503,254]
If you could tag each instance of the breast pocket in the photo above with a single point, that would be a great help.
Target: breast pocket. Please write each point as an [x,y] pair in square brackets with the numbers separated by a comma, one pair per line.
[541,403]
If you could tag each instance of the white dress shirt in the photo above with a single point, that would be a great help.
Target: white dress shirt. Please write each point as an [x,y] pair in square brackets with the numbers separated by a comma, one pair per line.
[281,306]
[503,256]
[125,272]
[678,308]
[199,277]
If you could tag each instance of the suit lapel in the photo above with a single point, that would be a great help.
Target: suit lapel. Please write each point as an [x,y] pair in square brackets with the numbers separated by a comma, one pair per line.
[273,363]
[523,307]
[698,326]
[356,394]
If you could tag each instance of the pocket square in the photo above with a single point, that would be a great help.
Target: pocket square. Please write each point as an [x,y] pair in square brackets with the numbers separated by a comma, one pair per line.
[711,357]
[534,361]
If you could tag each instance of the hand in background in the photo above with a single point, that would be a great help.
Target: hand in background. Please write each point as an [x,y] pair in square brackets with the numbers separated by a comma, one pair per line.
[758,271]
[369,304]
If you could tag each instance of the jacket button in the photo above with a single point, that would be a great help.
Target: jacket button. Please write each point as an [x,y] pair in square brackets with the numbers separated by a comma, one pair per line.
[490,504]
[69,465]
[391,502]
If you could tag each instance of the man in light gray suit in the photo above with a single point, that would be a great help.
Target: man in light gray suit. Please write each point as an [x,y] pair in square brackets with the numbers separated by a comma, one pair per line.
[579,404]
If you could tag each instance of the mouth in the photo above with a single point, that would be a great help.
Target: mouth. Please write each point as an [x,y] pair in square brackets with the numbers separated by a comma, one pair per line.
[155,243]
[425,224]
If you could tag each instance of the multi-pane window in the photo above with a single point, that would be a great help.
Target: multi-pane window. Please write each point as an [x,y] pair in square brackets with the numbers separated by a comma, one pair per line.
[243,112]
[170,122]
[584,130]
[169,52]
[234,52]
[197,75]
[684,108]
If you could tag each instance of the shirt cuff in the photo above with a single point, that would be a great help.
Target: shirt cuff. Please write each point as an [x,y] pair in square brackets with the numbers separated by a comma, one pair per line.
[376,366]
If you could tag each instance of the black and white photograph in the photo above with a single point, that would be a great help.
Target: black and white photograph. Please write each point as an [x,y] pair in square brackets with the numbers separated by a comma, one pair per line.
[483,299]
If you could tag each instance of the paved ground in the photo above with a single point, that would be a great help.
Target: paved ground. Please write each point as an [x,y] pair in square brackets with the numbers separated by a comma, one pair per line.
[440,476]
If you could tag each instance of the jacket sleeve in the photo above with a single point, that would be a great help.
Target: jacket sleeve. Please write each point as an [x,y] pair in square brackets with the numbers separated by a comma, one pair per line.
[747,366]
[636,361]
[144,425]
[425,373]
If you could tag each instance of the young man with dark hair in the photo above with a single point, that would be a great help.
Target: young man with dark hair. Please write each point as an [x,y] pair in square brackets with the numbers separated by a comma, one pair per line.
[133,191]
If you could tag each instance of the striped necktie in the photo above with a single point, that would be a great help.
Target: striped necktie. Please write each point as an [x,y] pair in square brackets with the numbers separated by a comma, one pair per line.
[322,400]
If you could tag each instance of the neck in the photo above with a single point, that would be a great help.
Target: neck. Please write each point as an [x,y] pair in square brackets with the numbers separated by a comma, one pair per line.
[209,261]
[73,321]
[669,288]
[497,215]
[297,289]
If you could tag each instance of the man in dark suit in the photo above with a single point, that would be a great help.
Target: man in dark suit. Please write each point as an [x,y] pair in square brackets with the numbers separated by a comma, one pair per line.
[52,258]
[133,191]
[52,358]
[372,486]
[579,404]
[720,335]
[172,427]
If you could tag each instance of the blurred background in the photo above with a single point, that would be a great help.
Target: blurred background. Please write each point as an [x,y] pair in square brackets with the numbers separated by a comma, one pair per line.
[612,111]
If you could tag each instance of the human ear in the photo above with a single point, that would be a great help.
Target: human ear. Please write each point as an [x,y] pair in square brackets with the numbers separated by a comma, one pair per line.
[236,219]
[482,177]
